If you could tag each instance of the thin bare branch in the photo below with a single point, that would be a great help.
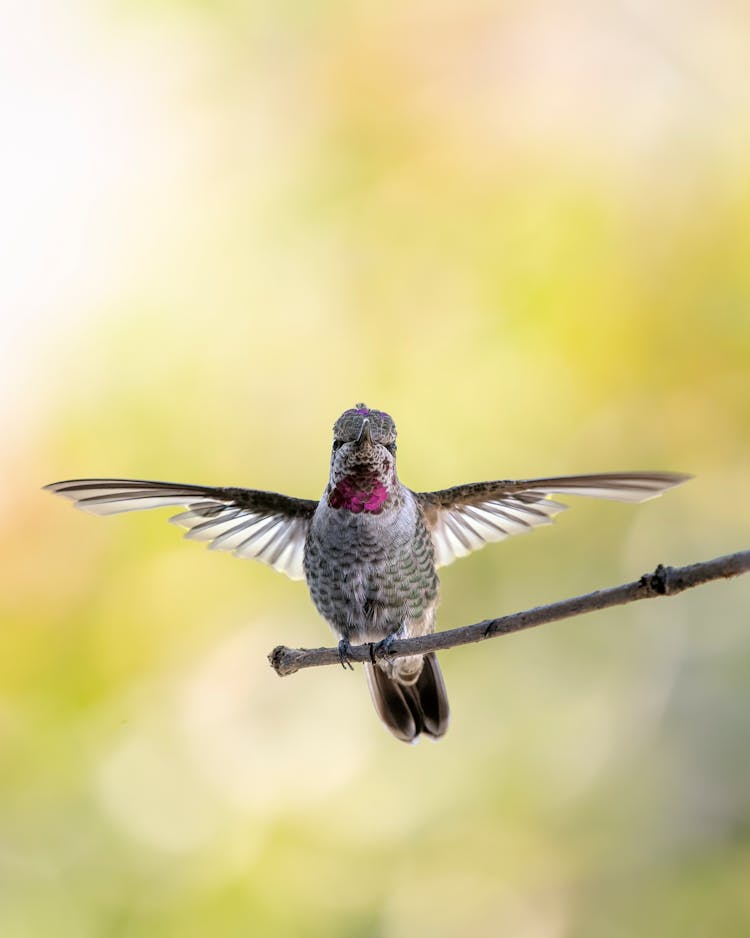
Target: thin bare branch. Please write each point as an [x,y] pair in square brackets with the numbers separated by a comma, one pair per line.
[664,581]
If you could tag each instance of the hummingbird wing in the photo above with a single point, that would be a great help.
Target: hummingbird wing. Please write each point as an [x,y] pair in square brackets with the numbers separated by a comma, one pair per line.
[263,525]
[466,517]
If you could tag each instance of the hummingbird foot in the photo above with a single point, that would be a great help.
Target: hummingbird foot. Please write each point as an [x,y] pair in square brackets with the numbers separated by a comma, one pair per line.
[344,648]
[382,649]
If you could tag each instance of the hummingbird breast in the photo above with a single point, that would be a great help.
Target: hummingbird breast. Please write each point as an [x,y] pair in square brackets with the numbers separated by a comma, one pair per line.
[372,575]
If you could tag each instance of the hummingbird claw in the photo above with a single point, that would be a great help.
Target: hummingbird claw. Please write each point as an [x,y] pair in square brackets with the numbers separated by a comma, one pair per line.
[383,649]
[344,646]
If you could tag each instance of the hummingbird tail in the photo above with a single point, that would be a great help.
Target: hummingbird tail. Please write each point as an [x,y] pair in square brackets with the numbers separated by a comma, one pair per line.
[411,709]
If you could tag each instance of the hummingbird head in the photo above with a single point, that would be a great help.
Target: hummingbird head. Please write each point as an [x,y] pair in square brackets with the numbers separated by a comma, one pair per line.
[363,460]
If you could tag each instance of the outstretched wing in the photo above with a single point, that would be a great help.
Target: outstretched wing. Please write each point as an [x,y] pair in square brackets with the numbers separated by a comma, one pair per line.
[467,517]
[263,525]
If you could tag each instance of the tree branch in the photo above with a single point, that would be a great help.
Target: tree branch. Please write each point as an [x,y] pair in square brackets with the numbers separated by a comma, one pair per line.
[664,581]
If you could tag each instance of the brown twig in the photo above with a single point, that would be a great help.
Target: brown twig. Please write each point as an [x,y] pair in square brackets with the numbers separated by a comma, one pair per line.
[664,581]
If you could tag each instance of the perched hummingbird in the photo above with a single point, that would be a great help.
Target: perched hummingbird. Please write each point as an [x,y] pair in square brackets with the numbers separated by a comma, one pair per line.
[370,547]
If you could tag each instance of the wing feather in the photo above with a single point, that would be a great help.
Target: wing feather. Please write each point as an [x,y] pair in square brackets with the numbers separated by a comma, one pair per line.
[264,526]
[467,517]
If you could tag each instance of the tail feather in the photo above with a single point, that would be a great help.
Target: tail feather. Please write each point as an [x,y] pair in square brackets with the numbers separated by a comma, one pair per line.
[433,698]
[408,710]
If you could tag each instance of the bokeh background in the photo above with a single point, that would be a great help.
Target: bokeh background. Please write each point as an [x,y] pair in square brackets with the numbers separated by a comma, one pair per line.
[524,230]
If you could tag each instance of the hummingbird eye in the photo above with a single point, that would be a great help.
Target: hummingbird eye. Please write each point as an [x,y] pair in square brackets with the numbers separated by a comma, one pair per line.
[337,443]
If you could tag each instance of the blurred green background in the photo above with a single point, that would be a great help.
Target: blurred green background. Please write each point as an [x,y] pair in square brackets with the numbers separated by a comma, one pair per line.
[524,230]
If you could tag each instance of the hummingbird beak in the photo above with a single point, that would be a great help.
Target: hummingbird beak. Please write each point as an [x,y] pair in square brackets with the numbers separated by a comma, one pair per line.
[365,436]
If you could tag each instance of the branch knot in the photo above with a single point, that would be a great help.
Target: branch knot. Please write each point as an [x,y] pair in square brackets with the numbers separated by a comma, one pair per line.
[660,581]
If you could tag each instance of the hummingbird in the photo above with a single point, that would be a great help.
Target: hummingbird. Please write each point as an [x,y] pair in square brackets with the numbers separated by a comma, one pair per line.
[369,549]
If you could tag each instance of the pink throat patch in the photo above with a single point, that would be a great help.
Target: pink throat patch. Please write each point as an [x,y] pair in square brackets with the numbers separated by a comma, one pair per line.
[357,495]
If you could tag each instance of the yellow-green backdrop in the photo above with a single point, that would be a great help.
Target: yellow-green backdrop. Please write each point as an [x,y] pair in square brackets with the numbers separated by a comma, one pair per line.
[524,230]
